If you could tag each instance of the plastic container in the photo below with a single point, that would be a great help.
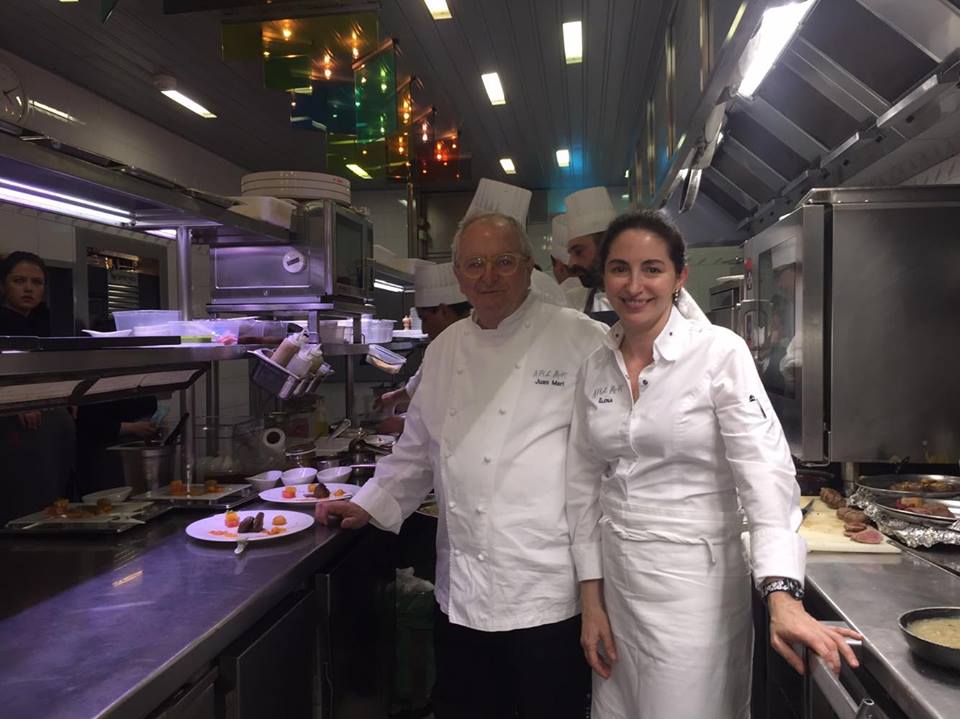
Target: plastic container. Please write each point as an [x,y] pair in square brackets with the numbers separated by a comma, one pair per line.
[147,467]
[262,332]
[229,449]
[333,332]
[282,383]
[288,349]
[130,319]
[377,331]
[309,357]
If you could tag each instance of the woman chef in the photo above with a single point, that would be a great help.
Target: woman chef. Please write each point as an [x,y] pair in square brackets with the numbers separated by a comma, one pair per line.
[672,434]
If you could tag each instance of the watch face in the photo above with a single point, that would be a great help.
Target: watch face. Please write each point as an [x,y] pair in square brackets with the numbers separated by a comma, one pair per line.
[13,101]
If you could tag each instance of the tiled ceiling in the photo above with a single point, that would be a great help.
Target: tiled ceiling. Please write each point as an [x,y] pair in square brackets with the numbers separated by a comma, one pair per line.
[593,108]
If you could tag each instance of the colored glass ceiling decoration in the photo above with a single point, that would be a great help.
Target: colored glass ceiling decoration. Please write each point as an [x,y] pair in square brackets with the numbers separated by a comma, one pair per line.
[375,93]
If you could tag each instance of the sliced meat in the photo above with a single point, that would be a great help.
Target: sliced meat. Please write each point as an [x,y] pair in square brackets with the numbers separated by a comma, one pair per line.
[855,516]
[868,536]
[842,512]
[853,527]
[831,497]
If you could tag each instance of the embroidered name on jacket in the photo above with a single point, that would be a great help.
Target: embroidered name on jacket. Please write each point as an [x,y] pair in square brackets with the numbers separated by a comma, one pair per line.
[552,377]
[605,393]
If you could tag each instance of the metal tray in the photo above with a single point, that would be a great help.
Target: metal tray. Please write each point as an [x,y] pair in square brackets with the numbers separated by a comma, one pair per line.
[888,505]
[879,485]
[228,497]
[126,515]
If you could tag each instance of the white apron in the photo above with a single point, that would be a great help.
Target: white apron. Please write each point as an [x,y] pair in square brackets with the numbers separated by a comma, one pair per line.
[677,590]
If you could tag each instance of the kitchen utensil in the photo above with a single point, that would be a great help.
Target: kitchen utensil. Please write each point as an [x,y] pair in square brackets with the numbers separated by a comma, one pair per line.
[806,508]
[938,653]
[146,465]
[175,432]
[241,545]
[340,429]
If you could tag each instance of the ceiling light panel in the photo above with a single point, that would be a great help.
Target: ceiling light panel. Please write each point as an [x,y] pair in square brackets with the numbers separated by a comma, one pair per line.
[508,167]
[188,103]
[573,41]
[438,9]
[491,82]
[563,158]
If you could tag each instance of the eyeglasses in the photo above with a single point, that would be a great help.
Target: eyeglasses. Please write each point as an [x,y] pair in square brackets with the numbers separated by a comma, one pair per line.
[504,265]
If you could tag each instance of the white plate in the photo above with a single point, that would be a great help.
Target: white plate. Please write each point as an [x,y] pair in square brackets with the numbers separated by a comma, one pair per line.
[296,522]
[116,333]
[276,494]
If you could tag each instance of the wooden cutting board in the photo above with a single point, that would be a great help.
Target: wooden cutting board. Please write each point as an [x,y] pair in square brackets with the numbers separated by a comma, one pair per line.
[823,531]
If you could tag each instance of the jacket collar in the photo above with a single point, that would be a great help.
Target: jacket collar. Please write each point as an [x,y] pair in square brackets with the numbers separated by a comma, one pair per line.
[512,322]
[669,343]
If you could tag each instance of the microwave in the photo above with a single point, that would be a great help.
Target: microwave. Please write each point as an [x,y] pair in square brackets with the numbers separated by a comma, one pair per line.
[330,260]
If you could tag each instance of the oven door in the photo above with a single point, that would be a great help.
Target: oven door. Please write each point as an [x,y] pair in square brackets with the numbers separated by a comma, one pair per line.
[352,247]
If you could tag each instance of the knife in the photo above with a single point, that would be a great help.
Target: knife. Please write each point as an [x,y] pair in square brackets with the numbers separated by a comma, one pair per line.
[805,510]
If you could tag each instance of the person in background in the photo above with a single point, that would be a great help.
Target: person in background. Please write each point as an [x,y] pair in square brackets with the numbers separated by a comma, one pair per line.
[487,430]
[36,447]
[589,211]
[559,255]
[673,434]
[439,303]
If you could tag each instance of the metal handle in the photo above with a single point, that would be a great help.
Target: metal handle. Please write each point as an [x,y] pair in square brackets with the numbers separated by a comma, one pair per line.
[830,687]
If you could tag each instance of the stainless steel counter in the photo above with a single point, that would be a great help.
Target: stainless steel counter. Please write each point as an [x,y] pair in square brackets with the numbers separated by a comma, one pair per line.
[113,626]
[870,591]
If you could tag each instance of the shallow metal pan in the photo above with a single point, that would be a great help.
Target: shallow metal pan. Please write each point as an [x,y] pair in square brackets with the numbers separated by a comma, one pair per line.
[937,653]
[888,504]
[880,484]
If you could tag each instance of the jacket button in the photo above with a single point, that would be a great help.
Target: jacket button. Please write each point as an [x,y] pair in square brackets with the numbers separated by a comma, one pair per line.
[502,410]
[481,509]
[517,365]
[456,552]
[453,413]
[481,556]
[645,383]
[459,370]
[527,325]
[486,460]
[451,504]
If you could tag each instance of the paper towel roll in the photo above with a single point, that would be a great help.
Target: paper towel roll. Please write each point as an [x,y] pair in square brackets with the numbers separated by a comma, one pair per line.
[273,439]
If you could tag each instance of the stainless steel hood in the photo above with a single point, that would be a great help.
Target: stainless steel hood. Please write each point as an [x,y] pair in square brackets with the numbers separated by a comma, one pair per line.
[865,94]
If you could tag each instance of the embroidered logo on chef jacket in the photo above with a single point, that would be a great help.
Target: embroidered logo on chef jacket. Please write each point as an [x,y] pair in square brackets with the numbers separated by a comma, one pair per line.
[550,377]
[605,394]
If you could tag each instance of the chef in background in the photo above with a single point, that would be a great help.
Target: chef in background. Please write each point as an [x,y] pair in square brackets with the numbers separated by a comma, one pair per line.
[487,430]
[439,303]
[589,211]
[559,256]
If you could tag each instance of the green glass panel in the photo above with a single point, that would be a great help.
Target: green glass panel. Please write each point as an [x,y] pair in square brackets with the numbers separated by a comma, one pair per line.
[376,95]
[329,105]
[286,73]
[344,151]
[241,41]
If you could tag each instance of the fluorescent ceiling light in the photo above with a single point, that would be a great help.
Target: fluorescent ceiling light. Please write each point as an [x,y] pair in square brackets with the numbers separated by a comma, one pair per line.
[438,9]
[40,202]
[573,41]
[491,81]
[563,158]
[52,111]
[359,171]
[777,27]
[191,105]
[388,286]
[169,233]
[507,164]
[71,199]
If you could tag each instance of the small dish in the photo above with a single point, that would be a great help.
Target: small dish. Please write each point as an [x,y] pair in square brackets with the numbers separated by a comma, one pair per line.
[116,495]
[335,474]
[265,480]
[298,475]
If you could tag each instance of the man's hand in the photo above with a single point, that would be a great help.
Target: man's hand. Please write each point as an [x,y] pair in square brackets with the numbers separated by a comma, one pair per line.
[595,632]
[388,400]
[351,516]
[789,622]
[30,420]
[144,429]
[391,425]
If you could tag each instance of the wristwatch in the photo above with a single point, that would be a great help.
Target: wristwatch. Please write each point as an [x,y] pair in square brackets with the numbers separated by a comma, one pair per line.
[790,586]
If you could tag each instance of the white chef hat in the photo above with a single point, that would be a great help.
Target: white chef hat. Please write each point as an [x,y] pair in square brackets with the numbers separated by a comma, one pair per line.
[558,239]
[436,285]
[588,211]
[493,196]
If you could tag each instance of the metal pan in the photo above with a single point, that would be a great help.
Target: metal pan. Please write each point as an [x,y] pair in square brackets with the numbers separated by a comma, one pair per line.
[937,653]
[889,506]
[879,485]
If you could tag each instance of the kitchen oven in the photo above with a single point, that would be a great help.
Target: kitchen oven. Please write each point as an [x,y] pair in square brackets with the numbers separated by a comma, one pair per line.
[850,311]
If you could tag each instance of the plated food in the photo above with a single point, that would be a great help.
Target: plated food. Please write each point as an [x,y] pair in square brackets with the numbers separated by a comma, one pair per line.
[944,631]
[933,633]
[253,526]
[927,507]
[309,493]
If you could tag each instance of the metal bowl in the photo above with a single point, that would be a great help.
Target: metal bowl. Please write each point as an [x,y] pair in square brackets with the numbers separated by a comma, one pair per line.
[937,653]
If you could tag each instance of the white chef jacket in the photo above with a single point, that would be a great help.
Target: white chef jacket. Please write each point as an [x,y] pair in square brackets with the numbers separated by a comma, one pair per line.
[487,429]
[414,382]
[701,439]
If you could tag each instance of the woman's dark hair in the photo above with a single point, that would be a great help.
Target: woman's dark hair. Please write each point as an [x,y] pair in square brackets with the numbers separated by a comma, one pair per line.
[15,258]
[655,222]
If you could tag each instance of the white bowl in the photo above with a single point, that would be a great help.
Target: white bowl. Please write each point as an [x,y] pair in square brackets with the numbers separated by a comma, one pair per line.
[116,495]
[335,474]
[298,475]
[265,480]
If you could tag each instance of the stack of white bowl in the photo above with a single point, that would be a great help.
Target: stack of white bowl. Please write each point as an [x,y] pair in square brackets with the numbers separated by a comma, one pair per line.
[289,184]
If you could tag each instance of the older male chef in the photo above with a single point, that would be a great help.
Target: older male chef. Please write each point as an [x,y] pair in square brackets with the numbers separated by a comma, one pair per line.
[487,430]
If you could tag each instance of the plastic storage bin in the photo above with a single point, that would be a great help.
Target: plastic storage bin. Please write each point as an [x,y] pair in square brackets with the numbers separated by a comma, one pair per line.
[130,319]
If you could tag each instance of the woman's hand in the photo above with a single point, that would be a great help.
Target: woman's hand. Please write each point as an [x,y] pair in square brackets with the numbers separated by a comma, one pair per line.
[595,632]
[789,622]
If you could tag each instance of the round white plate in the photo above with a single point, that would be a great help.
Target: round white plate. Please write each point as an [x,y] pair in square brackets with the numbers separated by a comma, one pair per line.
[202,528]
[276,494]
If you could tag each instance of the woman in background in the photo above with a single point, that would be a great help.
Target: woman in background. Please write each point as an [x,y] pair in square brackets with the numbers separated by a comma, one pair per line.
[37,448]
